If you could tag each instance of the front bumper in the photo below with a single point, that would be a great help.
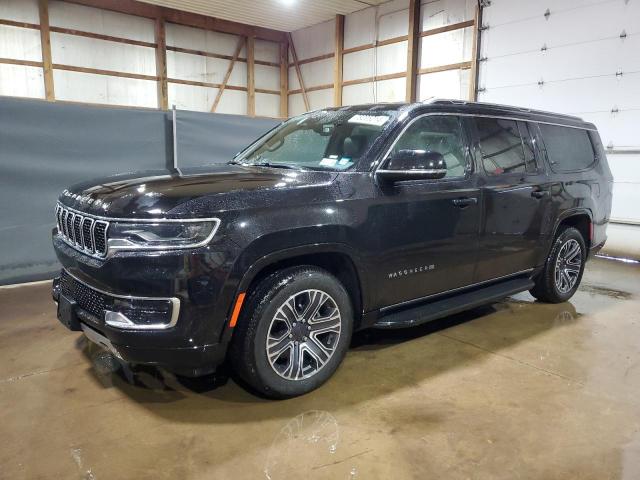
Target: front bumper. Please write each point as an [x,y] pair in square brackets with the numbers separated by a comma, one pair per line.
[87,308]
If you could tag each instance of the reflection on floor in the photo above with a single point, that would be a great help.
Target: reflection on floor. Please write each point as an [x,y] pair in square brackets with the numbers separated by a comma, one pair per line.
[513,390]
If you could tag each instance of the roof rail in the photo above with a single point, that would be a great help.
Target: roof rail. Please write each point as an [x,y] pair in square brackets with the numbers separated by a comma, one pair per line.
[432,100]
[512,108]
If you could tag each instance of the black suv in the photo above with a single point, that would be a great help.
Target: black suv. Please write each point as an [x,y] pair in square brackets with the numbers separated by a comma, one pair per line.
[382,216]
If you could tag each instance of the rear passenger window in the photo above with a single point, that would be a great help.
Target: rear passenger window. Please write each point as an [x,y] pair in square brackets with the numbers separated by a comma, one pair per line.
[568,149]
[501,146]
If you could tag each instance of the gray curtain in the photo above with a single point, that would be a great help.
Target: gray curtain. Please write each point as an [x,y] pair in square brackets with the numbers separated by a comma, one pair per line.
[44,147]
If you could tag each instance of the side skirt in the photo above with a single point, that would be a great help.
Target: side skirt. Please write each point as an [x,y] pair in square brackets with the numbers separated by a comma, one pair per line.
[454,303]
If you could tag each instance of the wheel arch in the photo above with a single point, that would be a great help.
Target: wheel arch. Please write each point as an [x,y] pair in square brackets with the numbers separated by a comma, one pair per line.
[581,219]
[338,259]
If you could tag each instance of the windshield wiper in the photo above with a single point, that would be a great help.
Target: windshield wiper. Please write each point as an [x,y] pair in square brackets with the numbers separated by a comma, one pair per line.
[264,163]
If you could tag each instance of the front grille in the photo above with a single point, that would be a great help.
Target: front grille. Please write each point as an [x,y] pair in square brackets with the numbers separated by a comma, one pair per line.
[83,232]
[87,298]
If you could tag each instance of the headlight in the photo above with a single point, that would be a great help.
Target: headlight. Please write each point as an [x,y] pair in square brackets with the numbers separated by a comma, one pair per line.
[160,235]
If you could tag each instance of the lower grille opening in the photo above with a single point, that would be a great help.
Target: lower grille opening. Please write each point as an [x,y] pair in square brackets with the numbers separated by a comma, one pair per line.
[87,298]
[121,312]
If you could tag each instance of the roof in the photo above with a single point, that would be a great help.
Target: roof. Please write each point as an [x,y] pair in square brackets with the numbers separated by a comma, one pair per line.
[477,108]
[496,106]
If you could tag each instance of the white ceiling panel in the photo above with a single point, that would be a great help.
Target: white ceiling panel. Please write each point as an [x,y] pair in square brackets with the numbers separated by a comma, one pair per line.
[285,15]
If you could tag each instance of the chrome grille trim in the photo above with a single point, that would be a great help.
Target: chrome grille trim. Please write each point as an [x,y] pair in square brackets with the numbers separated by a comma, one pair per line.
[79,231]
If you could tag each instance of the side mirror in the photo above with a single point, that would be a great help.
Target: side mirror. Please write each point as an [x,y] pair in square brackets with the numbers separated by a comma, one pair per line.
[413,165]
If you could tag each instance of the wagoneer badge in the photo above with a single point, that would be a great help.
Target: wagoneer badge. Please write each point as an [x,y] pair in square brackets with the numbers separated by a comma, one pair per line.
[411,271]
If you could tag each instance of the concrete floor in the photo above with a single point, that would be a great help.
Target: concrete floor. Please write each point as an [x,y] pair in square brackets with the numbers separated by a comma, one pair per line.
[513,390]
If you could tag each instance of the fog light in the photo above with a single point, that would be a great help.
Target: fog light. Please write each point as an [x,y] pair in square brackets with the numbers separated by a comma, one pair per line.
[117,319]
[142,313]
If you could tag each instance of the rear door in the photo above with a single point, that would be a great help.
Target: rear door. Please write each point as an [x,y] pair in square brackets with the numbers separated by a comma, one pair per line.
[515,196]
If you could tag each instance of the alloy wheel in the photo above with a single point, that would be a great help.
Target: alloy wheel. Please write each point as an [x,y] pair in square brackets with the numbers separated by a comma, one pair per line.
[303,334]
[568,265]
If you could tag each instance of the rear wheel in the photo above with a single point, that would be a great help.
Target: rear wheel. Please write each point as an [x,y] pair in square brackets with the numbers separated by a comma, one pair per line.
[563,268]
[293,332]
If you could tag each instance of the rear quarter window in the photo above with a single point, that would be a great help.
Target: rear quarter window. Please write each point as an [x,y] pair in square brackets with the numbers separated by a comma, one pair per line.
[568,149]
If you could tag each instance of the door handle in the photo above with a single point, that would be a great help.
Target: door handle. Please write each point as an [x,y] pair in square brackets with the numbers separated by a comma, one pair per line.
[464,202]
[540,193]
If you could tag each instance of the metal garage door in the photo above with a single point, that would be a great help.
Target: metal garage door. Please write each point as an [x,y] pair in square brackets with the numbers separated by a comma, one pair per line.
[580,57]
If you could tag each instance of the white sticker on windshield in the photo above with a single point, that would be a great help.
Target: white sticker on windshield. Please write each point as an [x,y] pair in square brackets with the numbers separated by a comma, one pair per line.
[377,120]
[328,162]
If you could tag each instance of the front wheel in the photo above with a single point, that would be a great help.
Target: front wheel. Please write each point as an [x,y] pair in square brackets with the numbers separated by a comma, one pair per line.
[563,268]
[293,332]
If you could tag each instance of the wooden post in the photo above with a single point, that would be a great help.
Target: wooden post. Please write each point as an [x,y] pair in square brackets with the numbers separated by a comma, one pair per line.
[413,37]
[337,65]
[45,41]
[305,97]
[161,64]
[251,77]
[227,75]
[284,79]
[473,75]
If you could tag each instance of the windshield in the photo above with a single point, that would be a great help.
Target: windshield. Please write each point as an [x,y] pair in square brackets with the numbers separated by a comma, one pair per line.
[323,140]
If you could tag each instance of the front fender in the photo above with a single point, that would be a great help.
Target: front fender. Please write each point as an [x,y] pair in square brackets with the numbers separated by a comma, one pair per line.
[262,253]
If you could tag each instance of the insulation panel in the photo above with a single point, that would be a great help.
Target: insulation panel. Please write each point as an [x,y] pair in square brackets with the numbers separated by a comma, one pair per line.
[202,40]
[100,54]
[20,43]
[440,13]
[267,105]
[267,77]
[446,48]
[21,81]
[197,68]
[452,84]
[20,11]
[104,22]
[104,89]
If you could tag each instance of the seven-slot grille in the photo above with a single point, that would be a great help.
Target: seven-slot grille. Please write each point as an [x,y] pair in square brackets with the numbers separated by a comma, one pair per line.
[83,232]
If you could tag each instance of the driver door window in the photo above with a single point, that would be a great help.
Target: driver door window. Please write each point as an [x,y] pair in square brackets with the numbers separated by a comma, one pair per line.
[437,133]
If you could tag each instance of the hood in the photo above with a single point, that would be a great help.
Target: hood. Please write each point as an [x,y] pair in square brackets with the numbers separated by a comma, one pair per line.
[160,194]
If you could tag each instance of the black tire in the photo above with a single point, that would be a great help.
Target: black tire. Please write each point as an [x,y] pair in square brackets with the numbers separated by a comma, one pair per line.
[248,354]
[546,287]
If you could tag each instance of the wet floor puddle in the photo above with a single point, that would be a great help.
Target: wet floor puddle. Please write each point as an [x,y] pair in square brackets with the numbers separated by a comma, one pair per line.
[609,292]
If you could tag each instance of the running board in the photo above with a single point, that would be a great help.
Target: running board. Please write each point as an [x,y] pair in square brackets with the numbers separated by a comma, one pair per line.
[439,308]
